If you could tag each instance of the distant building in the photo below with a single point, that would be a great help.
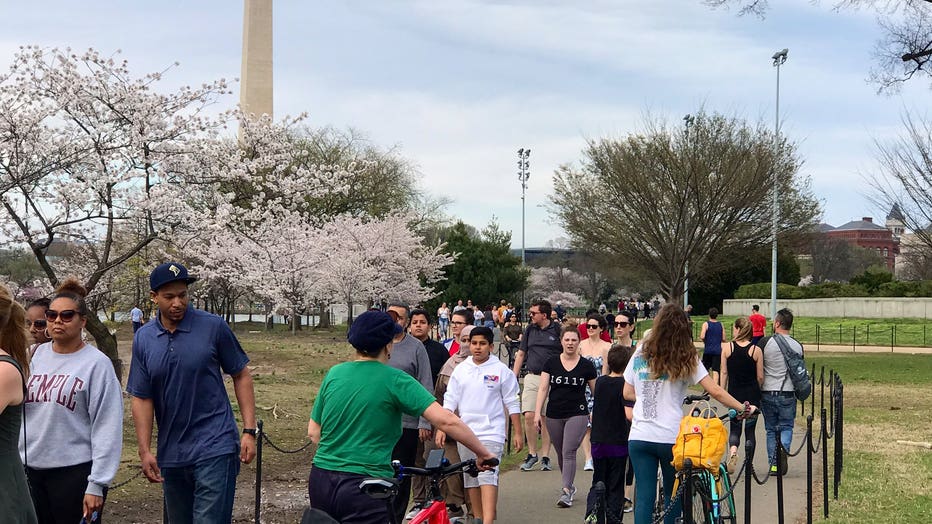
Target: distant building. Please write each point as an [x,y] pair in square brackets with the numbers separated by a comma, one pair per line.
[865,233]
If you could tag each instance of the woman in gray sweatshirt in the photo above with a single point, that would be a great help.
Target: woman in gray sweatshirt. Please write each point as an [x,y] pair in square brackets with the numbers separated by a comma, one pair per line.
[73,419]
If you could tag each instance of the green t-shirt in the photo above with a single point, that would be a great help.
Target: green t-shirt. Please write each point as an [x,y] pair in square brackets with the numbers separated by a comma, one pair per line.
[359,409]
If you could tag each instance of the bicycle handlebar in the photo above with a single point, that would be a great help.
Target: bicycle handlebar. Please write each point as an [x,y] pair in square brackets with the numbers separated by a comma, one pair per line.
[704,397]
[468,466]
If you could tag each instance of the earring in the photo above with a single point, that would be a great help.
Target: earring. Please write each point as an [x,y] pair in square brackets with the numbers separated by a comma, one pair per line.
[47,335]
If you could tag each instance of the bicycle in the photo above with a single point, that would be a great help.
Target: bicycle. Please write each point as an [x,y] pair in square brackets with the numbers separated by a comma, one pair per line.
[437,469]
[506,352]
[708,497]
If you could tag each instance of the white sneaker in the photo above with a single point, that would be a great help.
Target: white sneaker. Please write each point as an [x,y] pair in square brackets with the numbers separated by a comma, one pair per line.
[413,513]
[588,466]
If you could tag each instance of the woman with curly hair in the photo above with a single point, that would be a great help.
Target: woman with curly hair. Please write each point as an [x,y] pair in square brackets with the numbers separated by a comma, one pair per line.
[656,378]
[15,504]
[73,424]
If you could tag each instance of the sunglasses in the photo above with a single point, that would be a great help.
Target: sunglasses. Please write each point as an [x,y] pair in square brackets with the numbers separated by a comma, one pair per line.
[621,324]
[66,315]
[592,326]
[38,323]
[455,323]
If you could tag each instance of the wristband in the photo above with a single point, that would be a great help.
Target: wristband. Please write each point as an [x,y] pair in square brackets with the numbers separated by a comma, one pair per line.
[250,431]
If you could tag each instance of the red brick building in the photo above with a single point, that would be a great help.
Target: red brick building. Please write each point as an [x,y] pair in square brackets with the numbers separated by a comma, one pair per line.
[865,233]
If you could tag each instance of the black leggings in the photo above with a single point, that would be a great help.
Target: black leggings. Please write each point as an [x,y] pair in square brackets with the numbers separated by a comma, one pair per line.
[58,493]
[734,436]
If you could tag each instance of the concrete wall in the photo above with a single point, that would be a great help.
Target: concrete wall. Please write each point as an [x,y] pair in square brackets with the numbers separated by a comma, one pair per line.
[855,307]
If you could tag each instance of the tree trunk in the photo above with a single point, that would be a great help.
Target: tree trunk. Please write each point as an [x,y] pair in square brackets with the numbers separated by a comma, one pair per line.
[106,342]
[324,322]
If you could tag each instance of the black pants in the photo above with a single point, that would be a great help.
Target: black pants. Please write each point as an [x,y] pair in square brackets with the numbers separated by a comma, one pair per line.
[338,495]
[58,493]
[611,472]
[406,452]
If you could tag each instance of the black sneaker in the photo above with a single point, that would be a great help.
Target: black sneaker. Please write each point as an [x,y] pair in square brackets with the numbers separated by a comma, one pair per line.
[545,464]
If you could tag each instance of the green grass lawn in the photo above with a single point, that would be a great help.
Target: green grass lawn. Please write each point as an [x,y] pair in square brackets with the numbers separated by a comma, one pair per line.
[841,331]
[887,398]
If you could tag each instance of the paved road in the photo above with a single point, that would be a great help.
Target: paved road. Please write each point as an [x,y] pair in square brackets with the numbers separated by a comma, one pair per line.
[530,497]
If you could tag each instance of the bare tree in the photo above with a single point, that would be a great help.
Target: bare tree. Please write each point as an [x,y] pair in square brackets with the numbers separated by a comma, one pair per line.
[674,200]
[905,47]
[906,182]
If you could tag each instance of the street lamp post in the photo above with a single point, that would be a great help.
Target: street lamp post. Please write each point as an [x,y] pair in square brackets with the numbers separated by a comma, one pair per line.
[523,175]
[688,120]
[779,58]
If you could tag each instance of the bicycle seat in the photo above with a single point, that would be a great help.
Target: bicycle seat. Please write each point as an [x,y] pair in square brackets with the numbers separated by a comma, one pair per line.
[379,489]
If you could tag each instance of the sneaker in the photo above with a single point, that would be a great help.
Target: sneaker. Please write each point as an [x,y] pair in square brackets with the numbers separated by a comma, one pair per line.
[629,505]
[566,498]
[454,510]
[588,466]
[529,462]
[544,464]
[732,463]
[413,513]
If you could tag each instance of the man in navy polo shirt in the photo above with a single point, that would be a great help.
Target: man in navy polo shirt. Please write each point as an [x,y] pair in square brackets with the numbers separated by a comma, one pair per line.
[176,377]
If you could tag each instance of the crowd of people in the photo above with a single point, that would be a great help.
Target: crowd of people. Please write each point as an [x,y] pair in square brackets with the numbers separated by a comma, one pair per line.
[570,384]
[586,385]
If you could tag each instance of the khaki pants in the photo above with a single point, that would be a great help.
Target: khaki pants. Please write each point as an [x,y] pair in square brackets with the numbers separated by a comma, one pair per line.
[452,488]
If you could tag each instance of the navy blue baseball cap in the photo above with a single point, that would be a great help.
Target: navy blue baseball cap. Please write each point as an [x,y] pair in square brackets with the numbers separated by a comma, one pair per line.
[167,273]
[372,331]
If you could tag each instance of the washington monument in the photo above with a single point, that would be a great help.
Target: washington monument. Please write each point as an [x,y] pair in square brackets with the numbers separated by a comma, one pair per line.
[256,76]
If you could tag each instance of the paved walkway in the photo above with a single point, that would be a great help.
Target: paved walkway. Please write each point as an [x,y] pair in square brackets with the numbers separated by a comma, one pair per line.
[530,497]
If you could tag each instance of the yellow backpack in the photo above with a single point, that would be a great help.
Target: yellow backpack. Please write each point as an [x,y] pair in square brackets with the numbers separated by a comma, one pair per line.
[702,439]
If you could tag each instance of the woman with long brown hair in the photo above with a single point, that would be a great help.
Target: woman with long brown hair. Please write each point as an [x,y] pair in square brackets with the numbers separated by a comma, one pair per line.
[15,504]
[73,429]
[656,378]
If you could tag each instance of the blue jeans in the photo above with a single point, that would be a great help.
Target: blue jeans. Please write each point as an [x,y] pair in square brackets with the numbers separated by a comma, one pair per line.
[779,414]
[645,457]
[202,493]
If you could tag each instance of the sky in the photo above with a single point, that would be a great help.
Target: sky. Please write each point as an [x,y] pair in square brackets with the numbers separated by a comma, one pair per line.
[458,86]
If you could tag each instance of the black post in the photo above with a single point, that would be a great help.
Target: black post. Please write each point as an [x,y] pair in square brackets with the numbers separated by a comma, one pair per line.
[822,390]
[687,492]
[258,469]
[781,457]
[824,466]
[839,437]
[748,475]
[812,397]
[809,469]
[831,401]
[854,339]
[818,338]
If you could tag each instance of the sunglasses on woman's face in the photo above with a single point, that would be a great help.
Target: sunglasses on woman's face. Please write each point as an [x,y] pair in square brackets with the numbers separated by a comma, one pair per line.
[592,326]
[621,324]
[66,315]
[39,324]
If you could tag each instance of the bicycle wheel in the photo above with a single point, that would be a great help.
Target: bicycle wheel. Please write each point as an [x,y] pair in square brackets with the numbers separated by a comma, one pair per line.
[726,506]
[701,497]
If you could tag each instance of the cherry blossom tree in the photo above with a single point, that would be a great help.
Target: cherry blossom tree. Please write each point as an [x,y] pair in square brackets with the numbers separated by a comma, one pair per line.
[83,145]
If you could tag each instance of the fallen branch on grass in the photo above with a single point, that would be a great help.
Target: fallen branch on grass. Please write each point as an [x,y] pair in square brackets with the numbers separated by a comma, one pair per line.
[927,445]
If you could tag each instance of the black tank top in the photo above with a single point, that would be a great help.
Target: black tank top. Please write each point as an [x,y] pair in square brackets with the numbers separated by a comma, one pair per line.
[742,375]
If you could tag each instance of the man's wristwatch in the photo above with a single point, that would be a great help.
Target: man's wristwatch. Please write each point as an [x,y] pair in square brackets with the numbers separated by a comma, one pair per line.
[250,431]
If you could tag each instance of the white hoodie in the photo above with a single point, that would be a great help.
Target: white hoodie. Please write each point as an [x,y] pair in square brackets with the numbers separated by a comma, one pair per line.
[481,395]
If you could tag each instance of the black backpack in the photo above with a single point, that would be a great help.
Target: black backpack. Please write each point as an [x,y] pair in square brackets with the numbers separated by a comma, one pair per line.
[795,369]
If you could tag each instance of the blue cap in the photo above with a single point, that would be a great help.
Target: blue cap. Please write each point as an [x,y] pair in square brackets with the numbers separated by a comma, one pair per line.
[372,331]
[169,272]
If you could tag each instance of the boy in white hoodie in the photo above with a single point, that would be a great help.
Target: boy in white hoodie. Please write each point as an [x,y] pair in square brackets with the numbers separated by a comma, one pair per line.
[481,391]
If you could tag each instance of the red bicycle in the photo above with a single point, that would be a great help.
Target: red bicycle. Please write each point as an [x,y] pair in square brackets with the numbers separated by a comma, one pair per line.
[437,469]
